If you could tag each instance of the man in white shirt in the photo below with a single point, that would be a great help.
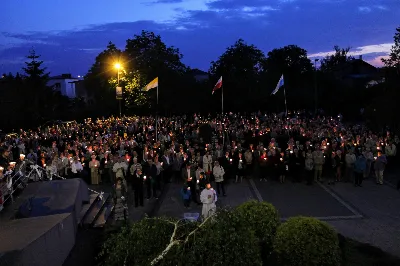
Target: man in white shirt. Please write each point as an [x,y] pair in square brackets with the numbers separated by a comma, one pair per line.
[219,172]
[207,162]
[120,169]
[76,168]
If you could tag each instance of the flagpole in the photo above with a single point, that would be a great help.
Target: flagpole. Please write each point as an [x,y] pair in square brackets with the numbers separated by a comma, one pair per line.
[284,93]
[157,114]
[222,118]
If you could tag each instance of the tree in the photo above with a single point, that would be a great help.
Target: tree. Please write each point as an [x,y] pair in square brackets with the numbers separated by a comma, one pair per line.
[97,81]
[38,96]
[293,63]
[394,56]
[333,62]
[241,67]
[149,57]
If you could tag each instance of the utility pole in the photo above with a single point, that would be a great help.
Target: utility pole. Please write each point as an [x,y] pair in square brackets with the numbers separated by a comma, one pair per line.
[315,86]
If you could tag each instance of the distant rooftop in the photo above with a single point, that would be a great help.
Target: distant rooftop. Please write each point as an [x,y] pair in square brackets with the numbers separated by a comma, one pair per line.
[64,76]
[197,71]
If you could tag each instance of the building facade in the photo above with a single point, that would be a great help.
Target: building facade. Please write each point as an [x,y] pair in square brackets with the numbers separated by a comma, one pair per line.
[65,84]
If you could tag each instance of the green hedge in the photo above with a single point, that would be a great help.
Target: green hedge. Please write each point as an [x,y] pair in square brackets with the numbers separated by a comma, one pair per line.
[260,217]
[224,240]
[231,237]
[305,241]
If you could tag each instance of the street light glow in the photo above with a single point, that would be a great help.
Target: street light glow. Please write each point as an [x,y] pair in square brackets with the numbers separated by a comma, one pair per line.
[117,65]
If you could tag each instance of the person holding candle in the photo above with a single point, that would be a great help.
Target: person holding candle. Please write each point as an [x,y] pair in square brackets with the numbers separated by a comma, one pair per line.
[263,163]
[319,160]
[105,168]
[151,173]
[137,186]
[219,172]
[94,170]
[202,181]
[207,162]
[76,168]
[186,195]
[308,167]
[240,167]
[379,166]
[350,160]
[120,168]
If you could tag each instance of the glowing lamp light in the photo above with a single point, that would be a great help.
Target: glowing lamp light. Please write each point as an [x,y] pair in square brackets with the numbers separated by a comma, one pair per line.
[117,66]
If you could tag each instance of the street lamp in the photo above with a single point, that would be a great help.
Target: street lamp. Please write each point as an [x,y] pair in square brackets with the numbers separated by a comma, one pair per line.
[315,85]
[118,67]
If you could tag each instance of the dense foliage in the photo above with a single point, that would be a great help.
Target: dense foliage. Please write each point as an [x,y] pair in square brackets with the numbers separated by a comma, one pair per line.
[261,218]
[338,85]
[305,241]
[231,237]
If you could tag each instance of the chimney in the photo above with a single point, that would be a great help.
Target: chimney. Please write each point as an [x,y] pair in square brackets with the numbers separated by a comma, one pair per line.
[360,57]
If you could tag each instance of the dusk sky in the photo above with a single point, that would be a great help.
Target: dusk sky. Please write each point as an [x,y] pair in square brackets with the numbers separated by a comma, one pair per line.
[69,34]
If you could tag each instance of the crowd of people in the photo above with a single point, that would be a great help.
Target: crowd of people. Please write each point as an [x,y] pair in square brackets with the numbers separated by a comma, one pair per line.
[199,151]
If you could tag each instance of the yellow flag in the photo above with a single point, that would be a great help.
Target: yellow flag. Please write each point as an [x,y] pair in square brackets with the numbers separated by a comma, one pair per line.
[153,84]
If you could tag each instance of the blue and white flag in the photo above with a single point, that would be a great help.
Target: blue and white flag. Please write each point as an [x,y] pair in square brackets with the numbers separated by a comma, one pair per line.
[278,86]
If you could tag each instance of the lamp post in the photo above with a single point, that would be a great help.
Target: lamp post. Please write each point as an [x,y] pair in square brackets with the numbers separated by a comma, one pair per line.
[118,67]
[315,86]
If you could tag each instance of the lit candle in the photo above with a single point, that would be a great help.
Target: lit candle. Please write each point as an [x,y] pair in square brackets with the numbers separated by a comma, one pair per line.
[144,177]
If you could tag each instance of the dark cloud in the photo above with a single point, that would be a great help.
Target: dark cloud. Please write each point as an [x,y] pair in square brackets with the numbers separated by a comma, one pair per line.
[203,35]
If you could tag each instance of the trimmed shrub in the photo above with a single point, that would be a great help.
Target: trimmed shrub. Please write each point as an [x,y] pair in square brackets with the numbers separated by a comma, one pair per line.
[260,217]
[305,241]
[138,243]
[223,240]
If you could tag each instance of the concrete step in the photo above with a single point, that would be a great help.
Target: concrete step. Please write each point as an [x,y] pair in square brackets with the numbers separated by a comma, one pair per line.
[95,210]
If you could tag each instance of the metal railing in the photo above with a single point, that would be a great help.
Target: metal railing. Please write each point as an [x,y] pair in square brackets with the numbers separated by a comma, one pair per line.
[19,178]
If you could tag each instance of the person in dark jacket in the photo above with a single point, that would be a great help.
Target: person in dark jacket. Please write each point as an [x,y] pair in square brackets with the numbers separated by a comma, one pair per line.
[137,185]
[151,174]
[359,169]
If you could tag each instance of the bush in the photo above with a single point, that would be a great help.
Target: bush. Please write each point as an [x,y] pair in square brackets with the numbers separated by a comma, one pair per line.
[304,241]
[223,240]
[138,243]
[260,217]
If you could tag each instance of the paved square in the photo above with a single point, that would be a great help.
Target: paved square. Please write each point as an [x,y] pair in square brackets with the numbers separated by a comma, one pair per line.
[172,205]
[293,199]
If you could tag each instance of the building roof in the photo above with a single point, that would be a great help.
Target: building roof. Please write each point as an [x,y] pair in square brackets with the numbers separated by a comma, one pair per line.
[197,71]
[64,76]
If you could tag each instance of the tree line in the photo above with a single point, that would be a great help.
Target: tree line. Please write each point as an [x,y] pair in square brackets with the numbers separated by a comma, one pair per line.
[249,76]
